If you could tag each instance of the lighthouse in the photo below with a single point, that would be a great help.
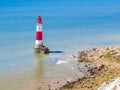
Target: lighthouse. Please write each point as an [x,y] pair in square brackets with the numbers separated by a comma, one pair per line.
[39,47]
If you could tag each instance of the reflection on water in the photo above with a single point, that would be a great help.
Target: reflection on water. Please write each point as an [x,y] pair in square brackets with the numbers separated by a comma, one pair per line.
[48,71]
[39,66]
[44,64]
[46,67]
[30,71]
[54,65]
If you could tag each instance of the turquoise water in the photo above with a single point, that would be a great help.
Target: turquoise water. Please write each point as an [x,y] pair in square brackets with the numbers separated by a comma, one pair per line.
[68,26]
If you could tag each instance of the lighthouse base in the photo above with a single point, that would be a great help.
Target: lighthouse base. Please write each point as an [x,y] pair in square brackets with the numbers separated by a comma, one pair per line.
[42,49]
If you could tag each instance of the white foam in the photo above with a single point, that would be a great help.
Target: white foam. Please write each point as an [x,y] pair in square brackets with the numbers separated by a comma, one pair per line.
[61,62]
[61,58]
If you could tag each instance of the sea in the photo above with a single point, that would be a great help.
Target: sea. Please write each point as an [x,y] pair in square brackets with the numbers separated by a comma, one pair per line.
[68,26]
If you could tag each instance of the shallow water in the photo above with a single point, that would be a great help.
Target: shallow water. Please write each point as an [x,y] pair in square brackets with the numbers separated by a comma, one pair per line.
[68,26]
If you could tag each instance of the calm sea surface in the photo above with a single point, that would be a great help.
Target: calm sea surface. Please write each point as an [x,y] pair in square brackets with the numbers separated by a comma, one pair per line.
[68,26]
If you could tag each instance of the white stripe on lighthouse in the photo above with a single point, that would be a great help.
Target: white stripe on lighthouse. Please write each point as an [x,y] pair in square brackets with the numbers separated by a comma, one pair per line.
[39,28]
[39,42]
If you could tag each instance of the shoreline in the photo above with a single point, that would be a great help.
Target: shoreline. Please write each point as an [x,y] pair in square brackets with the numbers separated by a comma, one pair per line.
[107,61]
[92,69]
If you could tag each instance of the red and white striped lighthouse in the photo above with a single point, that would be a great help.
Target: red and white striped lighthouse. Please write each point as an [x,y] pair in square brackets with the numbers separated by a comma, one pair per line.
[39,47]
[39,38]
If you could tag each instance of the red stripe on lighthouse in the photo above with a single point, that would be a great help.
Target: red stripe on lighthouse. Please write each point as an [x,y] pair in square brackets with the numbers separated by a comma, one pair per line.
[38,35]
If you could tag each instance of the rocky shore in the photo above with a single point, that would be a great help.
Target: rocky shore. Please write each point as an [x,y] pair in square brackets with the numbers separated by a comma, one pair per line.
[106,63]
[92,70]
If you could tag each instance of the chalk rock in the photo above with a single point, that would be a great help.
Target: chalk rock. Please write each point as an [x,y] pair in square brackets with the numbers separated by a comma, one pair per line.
[113,84]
